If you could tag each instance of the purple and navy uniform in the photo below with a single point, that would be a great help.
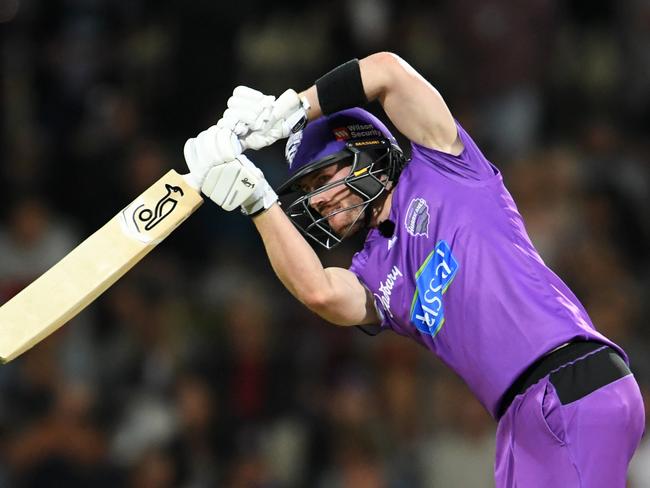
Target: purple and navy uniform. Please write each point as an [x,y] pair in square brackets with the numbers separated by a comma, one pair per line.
[461,277]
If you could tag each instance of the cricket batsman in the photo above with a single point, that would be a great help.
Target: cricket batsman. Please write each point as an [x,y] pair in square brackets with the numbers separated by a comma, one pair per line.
[447,261]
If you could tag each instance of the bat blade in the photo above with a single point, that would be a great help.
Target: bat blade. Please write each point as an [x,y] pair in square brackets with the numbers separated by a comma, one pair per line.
[94,265]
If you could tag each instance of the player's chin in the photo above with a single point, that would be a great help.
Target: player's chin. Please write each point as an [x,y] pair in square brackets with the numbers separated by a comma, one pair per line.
[345,225]
[351,229]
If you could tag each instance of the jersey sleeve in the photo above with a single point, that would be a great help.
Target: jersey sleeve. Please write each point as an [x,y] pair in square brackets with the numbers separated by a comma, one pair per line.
[469,166]
[359,261]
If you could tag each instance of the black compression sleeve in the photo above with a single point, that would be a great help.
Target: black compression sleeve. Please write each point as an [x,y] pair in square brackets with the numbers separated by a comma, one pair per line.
[341,88]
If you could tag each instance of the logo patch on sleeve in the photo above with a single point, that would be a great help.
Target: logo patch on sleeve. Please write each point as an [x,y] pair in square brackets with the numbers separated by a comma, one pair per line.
[432,280]
[417,218]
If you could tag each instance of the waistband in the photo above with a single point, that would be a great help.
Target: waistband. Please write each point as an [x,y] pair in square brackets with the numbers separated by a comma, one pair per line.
[575,370]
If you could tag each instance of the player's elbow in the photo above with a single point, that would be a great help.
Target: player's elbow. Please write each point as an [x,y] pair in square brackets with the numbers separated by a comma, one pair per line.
[385,60]
[318,301]
[380,71]
[389,73]
[325,304]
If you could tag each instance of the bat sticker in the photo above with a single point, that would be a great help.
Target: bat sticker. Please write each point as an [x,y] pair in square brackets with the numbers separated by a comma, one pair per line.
[164,207]
[138,218]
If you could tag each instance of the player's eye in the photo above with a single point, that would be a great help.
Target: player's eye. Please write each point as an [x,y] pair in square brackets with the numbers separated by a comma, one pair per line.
[322,180]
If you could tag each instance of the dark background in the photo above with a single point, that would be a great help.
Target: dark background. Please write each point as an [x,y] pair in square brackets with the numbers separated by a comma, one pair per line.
[197,369]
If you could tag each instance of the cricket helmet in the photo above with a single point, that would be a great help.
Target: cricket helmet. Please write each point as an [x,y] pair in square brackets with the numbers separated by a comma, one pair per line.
[351,137]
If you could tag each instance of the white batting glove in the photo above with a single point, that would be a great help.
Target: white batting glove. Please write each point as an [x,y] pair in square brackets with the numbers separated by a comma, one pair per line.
[239,183]
[289,113]
[259,120]
[215,145]
[248,110]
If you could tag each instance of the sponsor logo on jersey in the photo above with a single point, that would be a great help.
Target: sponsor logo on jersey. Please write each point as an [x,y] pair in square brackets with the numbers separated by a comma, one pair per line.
[355,131]
[431,282]
[386,288]
[417,218]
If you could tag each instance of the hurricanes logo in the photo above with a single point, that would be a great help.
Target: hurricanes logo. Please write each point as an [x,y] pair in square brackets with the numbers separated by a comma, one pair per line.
[148,218]
[417,218]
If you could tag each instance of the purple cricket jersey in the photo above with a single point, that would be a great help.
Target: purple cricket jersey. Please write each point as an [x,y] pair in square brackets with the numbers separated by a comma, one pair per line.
[461,276]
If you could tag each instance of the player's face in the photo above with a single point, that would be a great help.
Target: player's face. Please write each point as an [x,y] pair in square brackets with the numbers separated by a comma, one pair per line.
[332,202]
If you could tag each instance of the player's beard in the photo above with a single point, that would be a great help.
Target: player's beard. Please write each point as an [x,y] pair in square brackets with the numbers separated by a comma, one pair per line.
[348,217]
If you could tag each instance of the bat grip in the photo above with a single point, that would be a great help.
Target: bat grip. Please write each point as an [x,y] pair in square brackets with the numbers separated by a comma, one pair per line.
[191,180]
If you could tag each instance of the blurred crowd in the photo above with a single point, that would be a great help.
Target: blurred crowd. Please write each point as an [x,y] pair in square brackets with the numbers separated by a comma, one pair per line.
[197,369]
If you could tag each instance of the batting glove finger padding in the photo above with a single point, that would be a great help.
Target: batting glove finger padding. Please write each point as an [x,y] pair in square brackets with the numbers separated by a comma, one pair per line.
[238,127]
[247,93]
[256,115]
[230,184]
[251,107]
[290,111]
[213,146]
[239,183]
[260,120]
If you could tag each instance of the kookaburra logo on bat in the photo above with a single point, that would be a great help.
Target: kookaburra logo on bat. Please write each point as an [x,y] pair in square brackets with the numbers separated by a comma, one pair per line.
[141,216]
[152,217]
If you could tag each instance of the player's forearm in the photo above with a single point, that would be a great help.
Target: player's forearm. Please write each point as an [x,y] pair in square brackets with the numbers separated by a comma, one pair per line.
[377,70]
[413,105]
[293,260]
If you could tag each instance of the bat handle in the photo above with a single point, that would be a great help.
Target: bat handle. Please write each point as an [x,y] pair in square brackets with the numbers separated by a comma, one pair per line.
[191,180]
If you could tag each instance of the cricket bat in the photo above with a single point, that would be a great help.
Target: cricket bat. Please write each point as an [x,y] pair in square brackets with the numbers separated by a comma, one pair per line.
[95,264]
